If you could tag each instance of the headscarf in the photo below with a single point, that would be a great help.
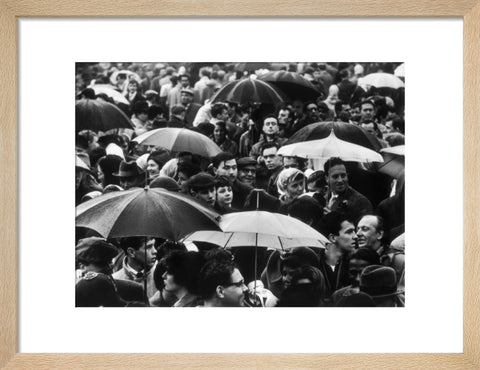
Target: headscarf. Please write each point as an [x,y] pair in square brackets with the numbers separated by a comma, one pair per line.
[287,176]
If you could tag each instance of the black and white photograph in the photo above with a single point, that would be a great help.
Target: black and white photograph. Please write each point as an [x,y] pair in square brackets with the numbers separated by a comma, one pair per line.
[240,184]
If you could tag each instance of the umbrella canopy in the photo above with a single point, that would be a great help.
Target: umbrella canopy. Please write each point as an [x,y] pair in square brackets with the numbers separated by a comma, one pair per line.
[251,66]
[98,115]
[241,239]
[145,212]
[127,73]
[180,140]
[261,224]
[400,70]
[330,147]
[381,80]
[293,84]
[249,91]
[343,130]
[110,91]
[394,161]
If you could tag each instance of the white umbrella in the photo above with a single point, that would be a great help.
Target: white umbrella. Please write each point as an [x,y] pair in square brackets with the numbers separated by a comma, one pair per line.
[381,80]
[329,147]
[393,161]
[400,70]
[110,92]
[180,140]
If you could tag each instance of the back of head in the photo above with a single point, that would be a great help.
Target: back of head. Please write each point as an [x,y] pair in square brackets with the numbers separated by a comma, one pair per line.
[366,254]
[378,281]
[97,290]
[222,157]
[299,257]
[185,267]
[165,182]
[215,272]
[305,208]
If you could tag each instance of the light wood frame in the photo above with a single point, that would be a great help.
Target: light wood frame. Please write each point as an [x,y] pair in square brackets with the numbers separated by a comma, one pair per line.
[10,10]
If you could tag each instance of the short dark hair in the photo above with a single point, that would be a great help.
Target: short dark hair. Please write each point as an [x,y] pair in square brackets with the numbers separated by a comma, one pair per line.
[221,157]
[135,242]
[268,145]
[214,273]
[218,108]
[185,267]
[188,168]
[222,125]
[331,162]
[221,181]
[333,222]
[305,208]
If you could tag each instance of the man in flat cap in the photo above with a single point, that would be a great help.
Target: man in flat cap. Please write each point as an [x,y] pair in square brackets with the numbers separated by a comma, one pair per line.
[177,116]
[191,108]
[247,170]
[202,187]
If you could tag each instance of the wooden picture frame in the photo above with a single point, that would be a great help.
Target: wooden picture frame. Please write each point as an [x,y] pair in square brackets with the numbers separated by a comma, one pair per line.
[10,10]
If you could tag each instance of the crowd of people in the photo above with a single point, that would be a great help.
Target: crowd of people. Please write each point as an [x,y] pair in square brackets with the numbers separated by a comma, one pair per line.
[357,208]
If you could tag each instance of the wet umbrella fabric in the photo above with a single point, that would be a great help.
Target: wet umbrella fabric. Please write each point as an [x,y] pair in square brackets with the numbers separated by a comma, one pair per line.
[110,91]
[330,147]
[180,140]
[394,161]
[249,91]
[98,115]
[343,130]
[145,212]
[293,84]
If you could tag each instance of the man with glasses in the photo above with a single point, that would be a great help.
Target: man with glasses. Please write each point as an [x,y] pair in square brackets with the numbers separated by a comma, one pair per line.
[247,170]
[221,284]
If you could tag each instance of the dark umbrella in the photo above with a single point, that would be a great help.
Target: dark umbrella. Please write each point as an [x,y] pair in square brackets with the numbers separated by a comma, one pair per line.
[344,131]
[249,91]
[293,84]
[98,115]
[145,212]
[251,66]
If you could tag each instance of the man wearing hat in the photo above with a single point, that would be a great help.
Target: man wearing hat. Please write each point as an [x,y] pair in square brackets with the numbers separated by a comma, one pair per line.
[191,108]
[95,254]
[130,175]
[247,170]
[177,116]
[97,290]
[380,282]
[202,187]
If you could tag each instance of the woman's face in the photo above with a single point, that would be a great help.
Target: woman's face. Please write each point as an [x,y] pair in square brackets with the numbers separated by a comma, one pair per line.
[295,189]
[153,168]
[182,179]
[219,134]
[224,196]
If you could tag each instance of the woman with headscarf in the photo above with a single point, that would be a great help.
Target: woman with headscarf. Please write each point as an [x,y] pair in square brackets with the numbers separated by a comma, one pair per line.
[290,185]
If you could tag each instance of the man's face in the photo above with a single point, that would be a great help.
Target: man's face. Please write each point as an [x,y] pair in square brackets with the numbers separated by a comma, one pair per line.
[369,127]
[151,254]
[367,111]
[247,175]
[270,126]
[234,293]
[227,169]
[287,274]
[283,116]
[224,196]
[295,188]
[389,127]
[346,238]
[223,116]
[185,98]
[367,233]
[337,179]
[290,162]
[184,81]
[312,111]
[130,182]
[272,160]
[297,108]
[355,268]
[206,195]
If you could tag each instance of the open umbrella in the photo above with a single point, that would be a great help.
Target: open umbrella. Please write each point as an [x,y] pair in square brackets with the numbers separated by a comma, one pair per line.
[400,71]
[394,161]
[145,212]
[98,115]
[127,73]
[110,92]
[180,140]
[330,147]
[293,84]
[343,130]
[249,91]
[381,80]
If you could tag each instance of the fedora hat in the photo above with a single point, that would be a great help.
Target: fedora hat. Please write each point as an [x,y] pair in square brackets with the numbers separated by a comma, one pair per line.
[379,281]
[128,169]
